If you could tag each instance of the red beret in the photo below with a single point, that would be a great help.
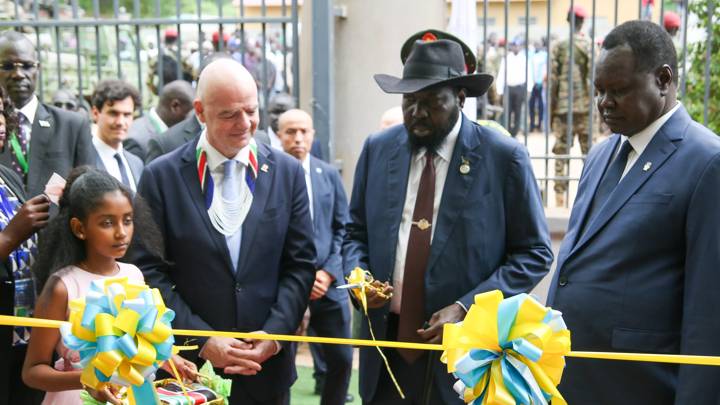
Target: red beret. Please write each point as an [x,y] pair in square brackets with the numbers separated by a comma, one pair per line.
[579,11]
[171,33]
[216,37]
[671,20]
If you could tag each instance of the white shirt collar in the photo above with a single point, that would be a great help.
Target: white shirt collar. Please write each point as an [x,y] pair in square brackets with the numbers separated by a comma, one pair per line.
[162,126]
[29,109]
[306,164]
[642,139]
[215,159]
[448,145]
[104,149]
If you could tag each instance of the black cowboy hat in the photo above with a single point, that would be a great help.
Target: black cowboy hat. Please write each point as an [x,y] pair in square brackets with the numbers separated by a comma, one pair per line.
[435,63]
[434,35]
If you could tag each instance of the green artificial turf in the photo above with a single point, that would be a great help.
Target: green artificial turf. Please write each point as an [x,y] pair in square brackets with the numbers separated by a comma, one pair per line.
[301,392]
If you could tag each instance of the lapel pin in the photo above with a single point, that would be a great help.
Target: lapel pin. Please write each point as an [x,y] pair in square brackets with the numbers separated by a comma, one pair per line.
[44,124]
[318,170]
[464,166]
[264,168]
[647,166]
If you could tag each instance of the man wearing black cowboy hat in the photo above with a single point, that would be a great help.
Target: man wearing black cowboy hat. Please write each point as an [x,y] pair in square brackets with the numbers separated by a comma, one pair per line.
[444,209]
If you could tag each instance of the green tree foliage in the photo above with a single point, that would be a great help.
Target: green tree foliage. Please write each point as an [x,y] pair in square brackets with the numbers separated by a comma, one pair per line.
[694,99]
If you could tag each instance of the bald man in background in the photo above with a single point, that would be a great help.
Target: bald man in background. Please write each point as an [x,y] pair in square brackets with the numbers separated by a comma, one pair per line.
[176,101]
[329,307]
[239,256]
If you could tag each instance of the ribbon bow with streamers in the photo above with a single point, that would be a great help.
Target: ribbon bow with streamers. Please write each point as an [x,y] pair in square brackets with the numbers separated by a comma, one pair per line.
[122,332]
[507,351]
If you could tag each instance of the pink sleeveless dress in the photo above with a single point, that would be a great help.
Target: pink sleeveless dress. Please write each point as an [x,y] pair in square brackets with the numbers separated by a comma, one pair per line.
[77,281]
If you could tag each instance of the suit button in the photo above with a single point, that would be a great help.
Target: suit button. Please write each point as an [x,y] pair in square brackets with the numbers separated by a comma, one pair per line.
[562,281]
[238,287]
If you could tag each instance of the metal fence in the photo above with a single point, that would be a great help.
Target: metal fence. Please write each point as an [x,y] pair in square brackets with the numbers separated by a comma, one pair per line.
[78,47]
[541,150]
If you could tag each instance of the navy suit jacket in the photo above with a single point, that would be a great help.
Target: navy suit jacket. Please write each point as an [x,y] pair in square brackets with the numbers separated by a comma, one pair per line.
[644,275]
[271,287]
[330,214]
[491,231]
[61,142]
[136,165]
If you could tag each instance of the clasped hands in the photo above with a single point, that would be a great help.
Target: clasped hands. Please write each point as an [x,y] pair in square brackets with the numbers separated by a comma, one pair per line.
[432,332]
[236,356]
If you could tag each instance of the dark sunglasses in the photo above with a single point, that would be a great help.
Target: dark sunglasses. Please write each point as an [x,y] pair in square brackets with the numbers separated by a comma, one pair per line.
[25,66]
[66,105]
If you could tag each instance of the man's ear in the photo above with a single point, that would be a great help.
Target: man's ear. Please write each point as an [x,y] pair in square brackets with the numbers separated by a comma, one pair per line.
[461,97]
[77,228]
[197,105]
[664,78]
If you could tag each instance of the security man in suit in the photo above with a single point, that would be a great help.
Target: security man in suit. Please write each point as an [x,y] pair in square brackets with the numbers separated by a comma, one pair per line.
[49,140]
[445,209]
[113,105]
[235,216]
[638,268]
[329,307]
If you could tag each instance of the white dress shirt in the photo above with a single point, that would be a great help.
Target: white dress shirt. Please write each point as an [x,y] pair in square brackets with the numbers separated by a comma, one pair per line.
[107,156]
[275,141]
[308,184]
[29,110]
[515,73]
[641,140]
[417,164]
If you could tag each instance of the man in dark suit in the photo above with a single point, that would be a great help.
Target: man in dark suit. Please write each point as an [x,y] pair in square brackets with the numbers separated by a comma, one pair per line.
[49,140]
[113,105]
[444,208]
[174,104]
[638,268]
[235,217]
[176,136]
[329,307]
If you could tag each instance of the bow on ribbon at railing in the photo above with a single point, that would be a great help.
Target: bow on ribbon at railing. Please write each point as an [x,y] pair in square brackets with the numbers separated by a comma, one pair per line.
[507,351]
[122,332]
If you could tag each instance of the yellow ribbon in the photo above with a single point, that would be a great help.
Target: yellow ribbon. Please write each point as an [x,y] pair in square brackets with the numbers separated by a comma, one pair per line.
[364,279]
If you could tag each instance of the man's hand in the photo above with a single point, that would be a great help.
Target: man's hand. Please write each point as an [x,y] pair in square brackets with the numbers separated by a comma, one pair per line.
[230,354]
[31,217]
[434,332]
[375,300]
[186,368]
[323,279]
[258,352]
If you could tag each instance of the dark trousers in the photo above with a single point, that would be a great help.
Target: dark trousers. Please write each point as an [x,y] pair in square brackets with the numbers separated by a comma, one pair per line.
[516,99]
[239,396]
[418,380]
[14,390]
[536,104]
[333,363]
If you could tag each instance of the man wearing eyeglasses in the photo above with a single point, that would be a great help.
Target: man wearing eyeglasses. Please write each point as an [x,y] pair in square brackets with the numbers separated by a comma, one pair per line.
[49,140]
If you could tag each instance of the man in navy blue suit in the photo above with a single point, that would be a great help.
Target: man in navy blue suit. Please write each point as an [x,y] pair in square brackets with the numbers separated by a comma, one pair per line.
[235,218]
[638,269]
[445,209]
[329,307]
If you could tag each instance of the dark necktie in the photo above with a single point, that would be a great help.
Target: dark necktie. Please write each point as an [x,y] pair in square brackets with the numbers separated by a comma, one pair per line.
[610,180]
[17,162]
[412,306]
[123,172]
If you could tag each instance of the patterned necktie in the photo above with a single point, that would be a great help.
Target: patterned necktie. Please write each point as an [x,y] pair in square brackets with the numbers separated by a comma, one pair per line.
[123,173]
[610,180]
[22,143]
[230,193]
[412,305]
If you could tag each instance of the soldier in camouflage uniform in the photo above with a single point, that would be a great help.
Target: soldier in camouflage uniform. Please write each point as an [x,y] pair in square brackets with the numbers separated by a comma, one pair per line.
[560,100]
[169,68]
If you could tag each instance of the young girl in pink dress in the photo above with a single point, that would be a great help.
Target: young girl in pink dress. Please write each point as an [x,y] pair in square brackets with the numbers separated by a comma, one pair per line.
[93,229]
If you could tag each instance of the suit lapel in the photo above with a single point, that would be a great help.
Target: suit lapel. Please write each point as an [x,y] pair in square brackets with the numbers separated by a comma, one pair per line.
[456,187]
[189,174]
[135,169]
[40,136]
[398,169]
[263,183]
[660,148]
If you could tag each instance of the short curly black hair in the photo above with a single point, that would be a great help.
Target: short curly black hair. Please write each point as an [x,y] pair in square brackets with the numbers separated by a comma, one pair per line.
[651,45]
[112,90]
